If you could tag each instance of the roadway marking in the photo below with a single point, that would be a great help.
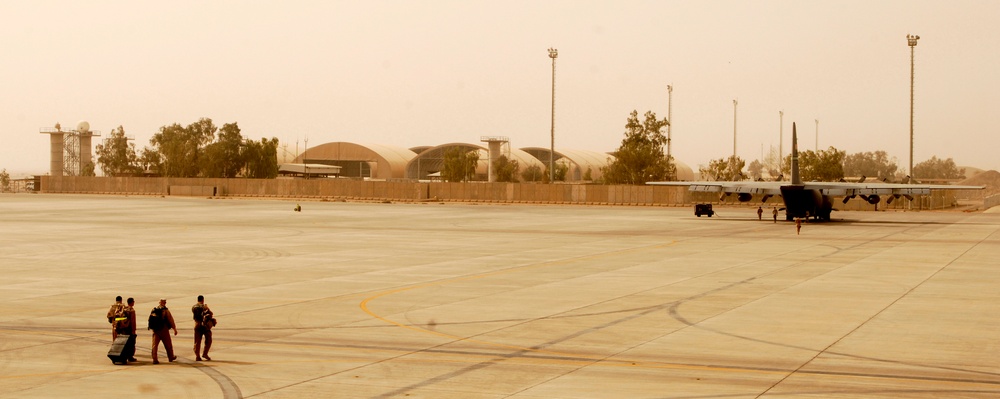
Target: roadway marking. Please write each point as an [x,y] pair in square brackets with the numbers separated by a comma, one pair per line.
[366,301]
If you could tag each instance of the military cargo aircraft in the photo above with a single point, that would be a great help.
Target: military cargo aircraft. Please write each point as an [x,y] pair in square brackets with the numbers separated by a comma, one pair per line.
[813,199]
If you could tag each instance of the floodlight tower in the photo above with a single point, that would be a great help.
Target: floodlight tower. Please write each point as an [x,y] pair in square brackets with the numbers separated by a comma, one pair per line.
[553,53]
[670,118]
[817,136]
[734,128]
[911,40]
[781,137]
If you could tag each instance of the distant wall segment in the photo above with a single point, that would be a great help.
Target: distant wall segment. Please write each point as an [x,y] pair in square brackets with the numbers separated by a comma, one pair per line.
[373,190]
[351,189]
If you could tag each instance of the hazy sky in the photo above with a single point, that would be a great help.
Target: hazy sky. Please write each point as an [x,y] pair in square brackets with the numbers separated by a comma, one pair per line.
[411,73]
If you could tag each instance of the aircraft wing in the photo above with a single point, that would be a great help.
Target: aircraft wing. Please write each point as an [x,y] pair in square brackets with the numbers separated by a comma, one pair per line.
[825,188]
[877,188]
[731,187]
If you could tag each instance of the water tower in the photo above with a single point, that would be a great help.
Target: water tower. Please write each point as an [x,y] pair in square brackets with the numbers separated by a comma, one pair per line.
[57,139]
[496,146]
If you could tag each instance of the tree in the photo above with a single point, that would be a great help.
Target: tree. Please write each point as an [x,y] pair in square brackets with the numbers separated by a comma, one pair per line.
[756,169]
[87,169]
[876,164]
[117,156]
[505,169]
[640,157]
[174,152]
[459,164]
[261,158]
[195,150]
[935,168]
[772,162]
[533,173]
[824,165]
[724,169]
[181,148]
[4,181]
[150,160]
[561,169]
[224,158]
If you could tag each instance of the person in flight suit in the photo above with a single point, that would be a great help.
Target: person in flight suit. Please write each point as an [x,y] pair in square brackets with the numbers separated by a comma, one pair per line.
[161,322]
[202,328]
[127,326]
[111,315]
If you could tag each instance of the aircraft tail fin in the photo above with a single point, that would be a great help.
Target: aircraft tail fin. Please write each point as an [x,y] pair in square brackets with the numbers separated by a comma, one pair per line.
[796,179]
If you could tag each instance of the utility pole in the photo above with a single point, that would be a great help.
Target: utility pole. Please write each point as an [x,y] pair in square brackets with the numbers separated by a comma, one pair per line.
[734,128]
[781,137]
[553,53]
[817,137]
[911,40]
[670,119]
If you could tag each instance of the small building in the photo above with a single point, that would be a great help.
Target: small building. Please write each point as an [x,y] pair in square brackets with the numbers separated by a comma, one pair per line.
[308,170]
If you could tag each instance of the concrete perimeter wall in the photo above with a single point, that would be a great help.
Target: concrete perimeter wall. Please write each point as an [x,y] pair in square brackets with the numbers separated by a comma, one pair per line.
[991,201]
[348,189]
[372,190]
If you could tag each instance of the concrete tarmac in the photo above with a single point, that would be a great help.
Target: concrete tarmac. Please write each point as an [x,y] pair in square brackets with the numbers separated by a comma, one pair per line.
[429,300]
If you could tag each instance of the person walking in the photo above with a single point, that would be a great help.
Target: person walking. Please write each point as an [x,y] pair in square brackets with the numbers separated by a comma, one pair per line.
[116,309]
[128,327]
[202,328]
[775,214]
[760,213]
[161,322]
[798,225]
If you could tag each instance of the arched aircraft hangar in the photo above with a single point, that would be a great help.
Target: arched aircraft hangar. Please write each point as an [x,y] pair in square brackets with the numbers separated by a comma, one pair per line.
[375,161]
[431,160]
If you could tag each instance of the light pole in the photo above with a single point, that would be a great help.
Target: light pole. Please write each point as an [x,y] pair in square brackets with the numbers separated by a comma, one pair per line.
[670,119]
[734,129]
[817,137]
[553,53]
[781,137]
[911,40]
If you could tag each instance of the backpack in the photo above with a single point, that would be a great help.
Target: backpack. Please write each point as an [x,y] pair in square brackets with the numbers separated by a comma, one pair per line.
[203,315]
[115,309]
[208,319]
[118,316]
[157,319]
[122,318]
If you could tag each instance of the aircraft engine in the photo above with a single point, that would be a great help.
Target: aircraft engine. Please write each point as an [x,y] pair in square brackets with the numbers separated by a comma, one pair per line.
[873,199]
[744,197]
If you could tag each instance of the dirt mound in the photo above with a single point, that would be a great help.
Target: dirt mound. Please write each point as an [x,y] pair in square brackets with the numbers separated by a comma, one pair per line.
[990,179]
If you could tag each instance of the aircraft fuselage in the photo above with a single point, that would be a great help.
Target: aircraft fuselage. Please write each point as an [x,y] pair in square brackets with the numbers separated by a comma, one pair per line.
[803,203]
